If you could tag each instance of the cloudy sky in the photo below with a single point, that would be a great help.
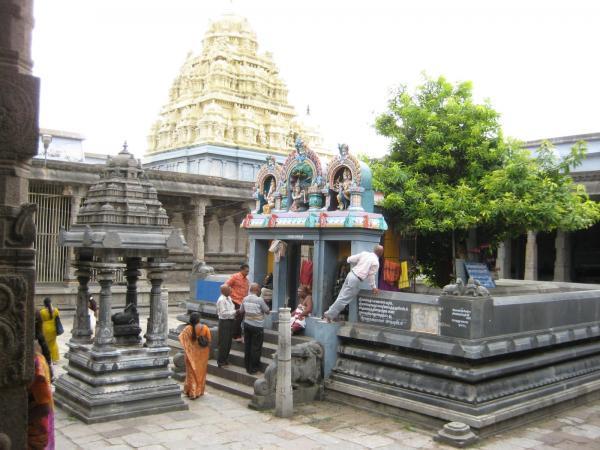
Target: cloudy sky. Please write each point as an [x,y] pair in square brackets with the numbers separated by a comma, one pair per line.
[107,65]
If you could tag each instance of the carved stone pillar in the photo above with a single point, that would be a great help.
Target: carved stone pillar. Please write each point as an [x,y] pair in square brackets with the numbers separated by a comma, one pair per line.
[562,264]
[75,197]
[531,257]
[222,221]
[198,231]
[132,275]
[126,329]
[156,331]
[284,395]
[104,338]
[81,332]
[19,134]
[237,221]
[503,260]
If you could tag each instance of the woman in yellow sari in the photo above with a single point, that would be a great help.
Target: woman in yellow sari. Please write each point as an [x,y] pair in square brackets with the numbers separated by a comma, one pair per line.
[49,315]
[195,339]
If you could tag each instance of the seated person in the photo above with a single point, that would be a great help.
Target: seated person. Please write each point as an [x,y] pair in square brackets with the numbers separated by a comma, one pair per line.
[303,310]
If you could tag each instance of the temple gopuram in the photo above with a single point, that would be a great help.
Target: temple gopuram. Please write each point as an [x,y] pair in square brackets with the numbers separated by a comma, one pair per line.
[227,109]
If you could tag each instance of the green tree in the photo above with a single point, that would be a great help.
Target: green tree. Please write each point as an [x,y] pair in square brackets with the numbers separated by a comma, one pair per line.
[450,169]
[537,193]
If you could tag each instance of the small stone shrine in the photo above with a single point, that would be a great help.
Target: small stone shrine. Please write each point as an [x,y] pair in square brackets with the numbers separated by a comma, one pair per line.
[121,226]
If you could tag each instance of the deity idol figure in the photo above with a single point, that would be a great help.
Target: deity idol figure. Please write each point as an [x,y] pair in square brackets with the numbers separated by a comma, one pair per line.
[270,199]
[343,189]
[298,198]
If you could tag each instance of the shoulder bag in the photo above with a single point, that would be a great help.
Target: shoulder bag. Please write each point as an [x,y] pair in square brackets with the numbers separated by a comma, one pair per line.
[59,326]
[202,340]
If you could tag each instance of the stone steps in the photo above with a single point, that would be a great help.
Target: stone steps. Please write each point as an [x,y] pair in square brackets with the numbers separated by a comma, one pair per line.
[232,373]
[234,379]
[223,384]
[236,358]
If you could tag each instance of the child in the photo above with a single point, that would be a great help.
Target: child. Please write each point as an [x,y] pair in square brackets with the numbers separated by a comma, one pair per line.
[254,309]
[226,312]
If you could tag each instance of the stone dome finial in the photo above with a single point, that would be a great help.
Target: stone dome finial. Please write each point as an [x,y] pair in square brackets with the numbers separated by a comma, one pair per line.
[123,196]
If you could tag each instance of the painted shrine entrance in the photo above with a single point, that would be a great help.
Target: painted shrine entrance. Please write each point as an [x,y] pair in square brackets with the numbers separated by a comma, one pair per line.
[311,220]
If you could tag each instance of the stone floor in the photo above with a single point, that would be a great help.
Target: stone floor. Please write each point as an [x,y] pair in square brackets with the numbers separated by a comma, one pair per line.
[221,421]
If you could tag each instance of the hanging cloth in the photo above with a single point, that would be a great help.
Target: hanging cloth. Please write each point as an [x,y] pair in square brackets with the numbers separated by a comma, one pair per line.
[306,272]
[391,271]
[403,282]
[279,249]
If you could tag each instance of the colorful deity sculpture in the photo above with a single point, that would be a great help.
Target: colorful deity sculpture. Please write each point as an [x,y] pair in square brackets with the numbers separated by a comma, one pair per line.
[269,199]
[299,202]
[343,190]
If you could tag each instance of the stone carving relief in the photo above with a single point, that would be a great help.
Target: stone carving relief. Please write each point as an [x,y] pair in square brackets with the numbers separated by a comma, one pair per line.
[18,116]
[307,377]
[13,299]
[22,232]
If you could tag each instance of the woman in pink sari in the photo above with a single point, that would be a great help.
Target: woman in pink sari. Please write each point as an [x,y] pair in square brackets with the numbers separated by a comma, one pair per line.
[40,429]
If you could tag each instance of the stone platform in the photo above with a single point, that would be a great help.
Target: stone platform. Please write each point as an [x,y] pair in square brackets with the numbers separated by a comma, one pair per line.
[491,363]
[320,425]
[99,387]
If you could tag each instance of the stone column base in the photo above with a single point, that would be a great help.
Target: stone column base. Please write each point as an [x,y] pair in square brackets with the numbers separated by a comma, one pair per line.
[93,394]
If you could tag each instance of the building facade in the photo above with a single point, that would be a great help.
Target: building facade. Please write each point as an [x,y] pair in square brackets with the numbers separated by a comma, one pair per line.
[208,210]
[559,255]
[227,110]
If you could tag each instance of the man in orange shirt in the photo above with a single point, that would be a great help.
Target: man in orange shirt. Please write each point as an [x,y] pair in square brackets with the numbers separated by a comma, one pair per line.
[239,284]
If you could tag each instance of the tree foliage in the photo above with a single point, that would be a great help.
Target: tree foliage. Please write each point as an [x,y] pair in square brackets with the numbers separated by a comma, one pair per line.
[450,169]
[537,193]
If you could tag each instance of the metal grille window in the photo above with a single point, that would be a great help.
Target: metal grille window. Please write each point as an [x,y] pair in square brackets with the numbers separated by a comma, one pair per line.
[53,213]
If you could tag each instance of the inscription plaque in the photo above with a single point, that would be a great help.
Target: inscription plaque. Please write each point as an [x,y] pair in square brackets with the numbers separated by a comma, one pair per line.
[387,313]
[456,319]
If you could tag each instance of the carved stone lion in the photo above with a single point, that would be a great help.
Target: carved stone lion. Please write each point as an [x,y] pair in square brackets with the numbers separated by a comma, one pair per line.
[307,376]
[473,288]
[454,289]
[202,269]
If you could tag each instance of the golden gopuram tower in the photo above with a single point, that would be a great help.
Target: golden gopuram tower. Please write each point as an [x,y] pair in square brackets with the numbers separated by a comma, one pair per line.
[227,110]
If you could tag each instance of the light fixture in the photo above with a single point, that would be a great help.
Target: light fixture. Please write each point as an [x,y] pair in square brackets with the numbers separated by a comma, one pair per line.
[46,140]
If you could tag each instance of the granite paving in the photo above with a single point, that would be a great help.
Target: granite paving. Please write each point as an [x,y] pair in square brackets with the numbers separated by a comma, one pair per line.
[219,420]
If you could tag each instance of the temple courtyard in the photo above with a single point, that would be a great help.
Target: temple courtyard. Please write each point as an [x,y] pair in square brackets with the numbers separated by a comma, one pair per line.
[223,421]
